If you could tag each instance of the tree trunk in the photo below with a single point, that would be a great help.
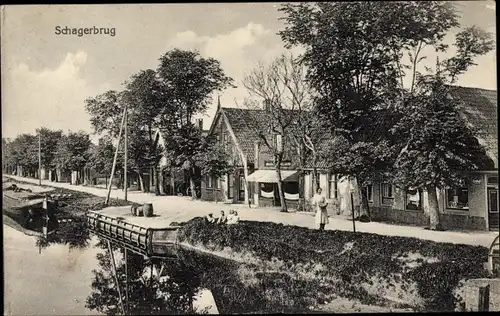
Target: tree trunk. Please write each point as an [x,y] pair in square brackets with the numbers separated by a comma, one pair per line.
[151,179]
[364,207]
[158,181]
[172,181]
[301,206]
[192,185]
[434,221]
[162,182]
[141,180]
[215,193]
[155,180]
[280,187]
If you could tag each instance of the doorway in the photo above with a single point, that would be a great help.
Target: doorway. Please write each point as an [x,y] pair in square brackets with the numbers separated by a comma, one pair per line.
[493,218]
[241,188]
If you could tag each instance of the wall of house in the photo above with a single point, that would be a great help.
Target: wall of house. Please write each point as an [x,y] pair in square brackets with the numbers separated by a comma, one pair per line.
[210,194]
[472,219]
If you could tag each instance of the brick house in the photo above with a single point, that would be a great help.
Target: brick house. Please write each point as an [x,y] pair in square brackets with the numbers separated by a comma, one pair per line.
[472,206]
[254,179]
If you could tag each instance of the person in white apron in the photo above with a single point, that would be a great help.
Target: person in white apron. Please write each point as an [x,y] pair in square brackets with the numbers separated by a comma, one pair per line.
[320,203]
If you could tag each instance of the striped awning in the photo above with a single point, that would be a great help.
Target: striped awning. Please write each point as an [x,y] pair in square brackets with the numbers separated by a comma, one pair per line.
[270,176]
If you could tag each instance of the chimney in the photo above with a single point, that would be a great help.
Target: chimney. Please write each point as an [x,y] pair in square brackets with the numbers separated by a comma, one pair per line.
[257,151]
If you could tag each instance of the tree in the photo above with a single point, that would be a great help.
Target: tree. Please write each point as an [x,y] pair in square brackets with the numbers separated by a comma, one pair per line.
[148,295]
[441,148]
[49,140]
[143,98]
[354,53]
[214,162]
[101,159]
[73,151]
[188,81]
[10,158]
[282,87]
[25,153]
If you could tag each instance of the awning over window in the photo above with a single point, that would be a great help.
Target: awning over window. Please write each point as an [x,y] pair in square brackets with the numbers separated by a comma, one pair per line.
[270,176]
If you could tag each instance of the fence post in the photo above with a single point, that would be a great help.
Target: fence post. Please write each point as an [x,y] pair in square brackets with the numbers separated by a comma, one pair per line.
[484,298]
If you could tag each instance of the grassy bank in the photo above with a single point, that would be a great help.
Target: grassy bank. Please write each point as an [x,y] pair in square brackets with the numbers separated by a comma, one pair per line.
[370,268]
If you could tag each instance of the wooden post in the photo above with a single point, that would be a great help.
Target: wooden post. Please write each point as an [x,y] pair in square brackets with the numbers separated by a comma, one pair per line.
[39,159]
[114,159]
[352,211]
[125,180]
[484,299]
[126,281]
[116,277]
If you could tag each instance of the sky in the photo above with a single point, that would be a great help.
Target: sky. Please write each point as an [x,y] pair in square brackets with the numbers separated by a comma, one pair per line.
[47,77]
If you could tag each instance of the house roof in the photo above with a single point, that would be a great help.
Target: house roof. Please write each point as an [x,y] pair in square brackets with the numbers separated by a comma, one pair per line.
[479,107]
[243,123]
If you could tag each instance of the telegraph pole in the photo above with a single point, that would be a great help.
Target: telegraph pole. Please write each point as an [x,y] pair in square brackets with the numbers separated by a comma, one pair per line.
[39,158]
[125,180]
[114,159]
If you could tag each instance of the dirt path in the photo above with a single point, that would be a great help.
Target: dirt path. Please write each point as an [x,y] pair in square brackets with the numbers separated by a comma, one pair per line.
[182,209]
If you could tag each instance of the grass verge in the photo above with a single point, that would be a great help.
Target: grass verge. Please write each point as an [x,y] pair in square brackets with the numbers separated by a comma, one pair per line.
[374,269]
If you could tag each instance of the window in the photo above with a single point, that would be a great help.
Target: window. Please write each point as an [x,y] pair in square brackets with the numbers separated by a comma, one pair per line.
[387,194]
[209,182]
[225,140]
[267,190]
[369,193]
[242,182]
[291,187]
[414,199]
[230,185]
[333,191]
[217,183]
[492,180]
[457,198]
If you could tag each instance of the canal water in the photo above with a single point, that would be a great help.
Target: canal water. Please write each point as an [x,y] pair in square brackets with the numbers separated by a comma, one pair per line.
[61,280]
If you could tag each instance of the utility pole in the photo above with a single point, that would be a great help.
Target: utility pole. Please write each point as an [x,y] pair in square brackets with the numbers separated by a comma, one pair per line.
[39,158]
[125,180]
[114,160]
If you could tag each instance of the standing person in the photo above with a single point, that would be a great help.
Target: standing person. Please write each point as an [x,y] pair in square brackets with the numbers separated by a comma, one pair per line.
[320,204]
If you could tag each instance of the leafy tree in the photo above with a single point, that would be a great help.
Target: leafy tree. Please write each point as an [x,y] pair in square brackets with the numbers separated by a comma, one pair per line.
[49,140]
[354,52]
[188,81]
[143,96]
[440,148]
[24,152]
[73,151]
[214,162]
[10,158]
[148,295]
[101,158]
[282,87]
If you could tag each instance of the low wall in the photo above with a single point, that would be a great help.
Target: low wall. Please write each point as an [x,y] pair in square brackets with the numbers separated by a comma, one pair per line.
[419,218]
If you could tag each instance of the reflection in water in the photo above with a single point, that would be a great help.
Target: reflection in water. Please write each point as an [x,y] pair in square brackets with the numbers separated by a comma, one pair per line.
[165,286]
